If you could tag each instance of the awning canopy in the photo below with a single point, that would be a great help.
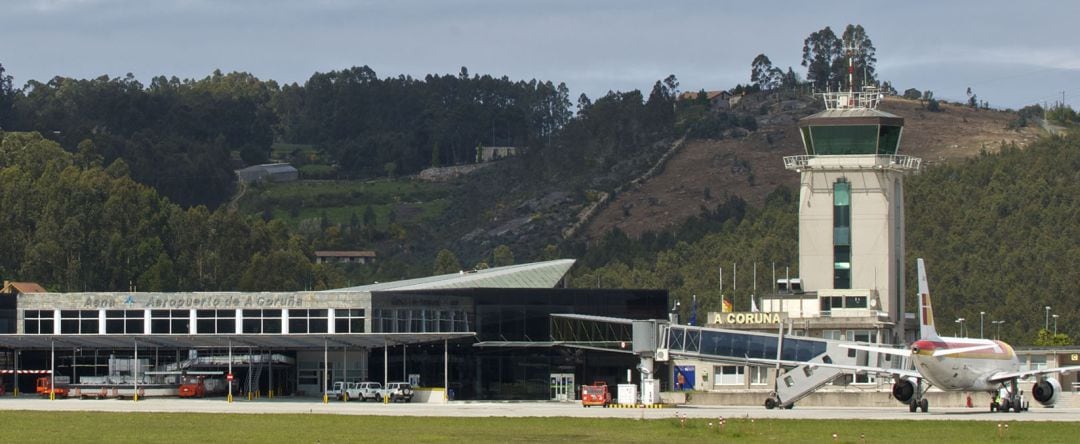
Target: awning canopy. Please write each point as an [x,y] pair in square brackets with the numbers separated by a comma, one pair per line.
[272,341]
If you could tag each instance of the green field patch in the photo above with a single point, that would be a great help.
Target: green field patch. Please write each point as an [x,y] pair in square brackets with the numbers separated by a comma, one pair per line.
[29,427]
[296,202]
[285,150]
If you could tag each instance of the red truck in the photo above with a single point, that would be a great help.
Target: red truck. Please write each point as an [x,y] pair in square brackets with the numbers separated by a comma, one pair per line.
[595,394]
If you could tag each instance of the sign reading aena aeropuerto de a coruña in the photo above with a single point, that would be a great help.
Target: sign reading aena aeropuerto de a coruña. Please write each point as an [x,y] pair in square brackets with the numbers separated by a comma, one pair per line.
[194,301]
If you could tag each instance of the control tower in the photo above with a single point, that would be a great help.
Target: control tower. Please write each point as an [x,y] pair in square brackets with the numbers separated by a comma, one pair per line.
[851,209]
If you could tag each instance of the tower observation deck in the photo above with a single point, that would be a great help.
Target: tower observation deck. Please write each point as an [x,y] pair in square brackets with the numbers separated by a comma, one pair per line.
[851,205]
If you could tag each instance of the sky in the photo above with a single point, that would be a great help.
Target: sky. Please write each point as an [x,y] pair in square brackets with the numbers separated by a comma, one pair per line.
[1010,53]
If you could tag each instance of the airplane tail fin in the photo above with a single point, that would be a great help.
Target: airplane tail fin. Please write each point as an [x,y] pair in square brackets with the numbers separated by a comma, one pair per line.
[926,311]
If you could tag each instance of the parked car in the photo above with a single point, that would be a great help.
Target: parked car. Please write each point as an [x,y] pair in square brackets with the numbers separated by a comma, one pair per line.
[399,391]
[364,391]
[338,391]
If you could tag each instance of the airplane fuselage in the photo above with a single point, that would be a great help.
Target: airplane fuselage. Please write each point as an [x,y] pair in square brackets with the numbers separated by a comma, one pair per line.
[968,371]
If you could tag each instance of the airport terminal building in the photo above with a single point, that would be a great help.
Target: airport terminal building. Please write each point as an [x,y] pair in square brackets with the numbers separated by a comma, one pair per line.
[430,331]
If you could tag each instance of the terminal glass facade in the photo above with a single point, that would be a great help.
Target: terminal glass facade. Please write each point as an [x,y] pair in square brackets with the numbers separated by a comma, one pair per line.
[518,322]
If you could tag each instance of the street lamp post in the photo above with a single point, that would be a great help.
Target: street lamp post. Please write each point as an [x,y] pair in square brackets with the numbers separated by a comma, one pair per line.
[1046,325]
[961,322]
[1055,324]
[998,324]
[982,314]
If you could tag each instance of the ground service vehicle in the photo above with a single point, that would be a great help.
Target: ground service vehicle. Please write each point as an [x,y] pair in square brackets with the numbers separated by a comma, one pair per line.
[200,387]
[595,394]
[399,391]
[58,387]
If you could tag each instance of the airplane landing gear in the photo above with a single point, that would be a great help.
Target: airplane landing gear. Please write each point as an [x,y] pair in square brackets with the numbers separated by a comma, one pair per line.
[917,401]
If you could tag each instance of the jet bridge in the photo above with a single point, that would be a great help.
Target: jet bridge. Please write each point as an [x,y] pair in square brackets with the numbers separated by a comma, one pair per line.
[794,357]
[802,363]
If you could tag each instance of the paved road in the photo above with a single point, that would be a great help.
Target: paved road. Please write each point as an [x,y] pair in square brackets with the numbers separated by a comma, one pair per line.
[521,409]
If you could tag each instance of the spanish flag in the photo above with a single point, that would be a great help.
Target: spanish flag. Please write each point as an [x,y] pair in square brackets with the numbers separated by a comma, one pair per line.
[728,308]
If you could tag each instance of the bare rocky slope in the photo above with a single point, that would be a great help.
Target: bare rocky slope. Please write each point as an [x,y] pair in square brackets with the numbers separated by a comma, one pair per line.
[703,172]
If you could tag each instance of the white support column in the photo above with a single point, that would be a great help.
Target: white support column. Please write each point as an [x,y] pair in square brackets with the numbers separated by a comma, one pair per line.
[16,374]
[146,322]
[326,373]
[446,370]
[56,322]
[385,363]
[101,321]
[239,327]
[192,320]
[230,375]
[52,369]
[331,315]
[284,321]
[135,373]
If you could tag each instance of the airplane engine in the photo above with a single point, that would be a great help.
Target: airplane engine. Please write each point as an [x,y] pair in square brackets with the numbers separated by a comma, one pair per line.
[1046,391]
[903,390]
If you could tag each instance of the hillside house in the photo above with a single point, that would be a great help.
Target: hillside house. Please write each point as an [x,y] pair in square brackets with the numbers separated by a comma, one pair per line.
[270,172]
[489,153]
[344,257]
[718,100]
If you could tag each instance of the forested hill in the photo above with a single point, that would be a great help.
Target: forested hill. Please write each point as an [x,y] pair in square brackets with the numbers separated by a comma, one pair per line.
[180,136]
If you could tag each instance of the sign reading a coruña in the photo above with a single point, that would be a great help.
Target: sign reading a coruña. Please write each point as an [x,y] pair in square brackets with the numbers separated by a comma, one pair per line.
[745,318]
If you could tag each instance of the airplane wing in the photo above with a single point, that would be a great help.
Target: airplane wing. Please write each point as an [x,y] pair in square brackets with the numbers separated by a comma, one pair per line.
[1007,376]
[886,350]
[850,368]
[955,351]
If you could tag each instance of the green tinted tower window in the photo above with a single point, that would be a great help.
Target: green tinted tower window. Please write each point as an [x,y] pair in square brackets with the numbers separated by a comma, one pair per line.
[842,234]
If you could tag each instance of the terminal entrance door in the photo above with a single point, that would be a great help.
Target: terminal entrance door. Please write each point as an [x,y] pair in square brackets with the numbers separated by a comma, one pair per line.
[562,387]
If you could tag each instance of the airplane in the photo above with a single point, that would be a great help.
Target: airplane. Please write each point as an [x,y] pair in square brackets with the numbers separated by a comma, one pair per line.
[958,364]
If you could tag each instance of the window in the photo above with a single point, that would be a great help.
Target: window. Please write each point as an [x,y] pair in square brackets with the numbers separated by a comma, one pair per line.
[845,139]
[349,320]
[124,322]
[215,321]
[38,322]
[79,322]
[889,139]
[862,335]
[842,234]
[1035,362]
[855,302]
[832,334]
[420,321]
[729,375]
[174,322]
[308,321]
[759,375]
[261,321]
[868,336]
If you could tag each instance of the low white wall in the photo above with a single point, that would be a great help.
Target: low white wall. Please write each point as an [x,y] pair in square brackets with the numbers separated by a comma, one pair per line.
[429,395]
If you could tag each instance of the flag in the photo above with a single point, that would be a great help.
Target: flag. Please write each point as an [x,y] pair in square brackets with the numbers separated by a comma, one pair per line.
[693,311]
[753,305]
[728,308]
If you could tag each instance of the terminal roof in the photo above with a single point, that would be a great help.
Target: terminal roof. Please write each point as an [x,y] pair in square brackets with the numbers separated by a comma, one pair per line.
[271,341]
[534,275]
